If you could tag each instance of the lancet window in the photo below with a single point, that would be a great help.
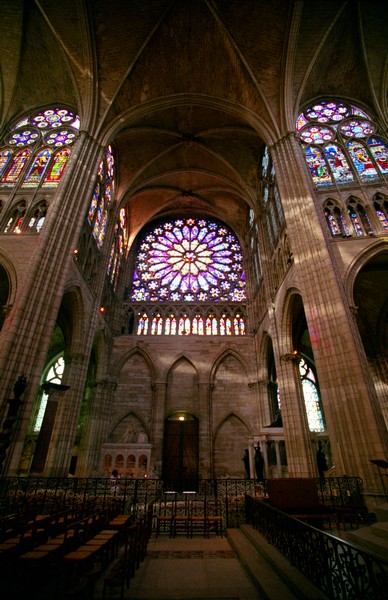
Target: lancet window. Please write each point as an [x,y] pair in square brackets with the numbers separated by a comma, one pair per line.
[342,144]
[311,397]
[270,199]
[101,200]
[118,248]
[53,374]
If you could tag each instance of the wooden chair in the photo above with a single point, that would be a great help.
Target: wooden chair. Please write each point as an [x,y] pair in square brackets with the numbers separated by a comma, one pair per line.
[167,512]
[213,518]
[181,521]
[197,522]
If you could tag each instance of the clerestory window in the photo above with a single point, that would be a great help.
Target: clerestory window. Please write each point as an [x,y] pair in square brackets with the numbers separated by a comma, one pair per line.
[342,144]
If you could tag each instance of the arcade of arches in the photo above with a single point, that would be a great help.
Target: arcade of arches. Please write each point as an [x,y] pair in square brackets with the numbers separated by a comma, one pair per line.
[194,238]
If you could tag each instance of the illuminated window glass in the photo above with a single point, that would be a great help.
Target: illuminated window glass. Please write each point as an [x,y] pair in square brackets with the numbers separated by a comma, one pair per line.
[118,248]
[311,398]
[37,169]
[102,198]
[54,375]
[339,143]
[189,260]
[42,133]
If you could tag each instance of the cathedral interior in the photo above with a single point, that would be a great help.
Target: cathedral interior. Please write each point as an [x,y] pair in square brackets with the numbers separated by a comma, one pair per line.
[194,239]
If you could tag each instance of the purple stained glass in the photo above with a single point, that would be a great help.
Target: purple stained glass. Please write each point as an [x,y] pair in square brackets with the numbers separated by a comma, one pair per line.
[317,165]
[379,151]
[25,137]
[55,117]
[189,260]
[357,128]
[325,112]
[61,137]
[317,135]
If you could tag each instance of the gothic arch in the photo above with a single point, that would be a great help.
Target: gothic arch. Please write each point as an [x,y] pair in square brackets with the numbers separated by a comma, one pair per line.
[221,358]
[71,318]
[182,391]
[128,355]
[372,252]
[230,439]
[9,269]
[124,427]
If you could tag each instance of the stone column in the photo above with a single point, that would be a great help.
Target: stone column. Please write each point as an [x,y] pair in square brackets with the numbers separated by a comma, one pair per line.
[26,338]
[158,425]
[353,416]
[96,429]
[55,392]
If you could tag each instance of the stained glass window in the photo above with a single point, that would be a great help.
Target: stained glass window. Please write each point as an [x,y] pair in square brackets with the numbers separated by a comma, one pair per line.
[102,198]
[42,133]
[380,153]
[274,217]
[189,260]
[118,248]
[54,375]
[311,398]
[345,133]
[37,169]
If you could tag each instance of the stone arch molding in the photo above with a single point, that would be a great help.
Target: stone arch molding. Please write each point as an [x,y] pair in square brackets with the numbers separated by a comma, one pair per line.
[9,268]
[357,264]
[228,352]
[116,371]
[73,298]
[225,417]
[130,437]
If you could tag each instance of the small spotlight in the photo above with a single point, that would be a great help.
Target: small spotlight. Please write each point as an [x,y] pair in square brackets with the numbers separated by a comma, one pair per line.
[181,418]
[102,309]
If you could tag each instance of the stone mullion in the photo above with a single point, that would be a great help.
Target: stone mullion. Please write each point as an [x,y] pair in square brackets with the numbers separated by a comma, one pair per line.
[65,430]
[29,326]
[96,429]
[347,390]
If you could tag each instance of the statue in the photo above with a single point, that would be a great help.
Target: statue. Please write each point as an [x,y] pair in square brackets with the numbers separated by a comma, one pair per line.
[321,460]
[259,464]
[246,463]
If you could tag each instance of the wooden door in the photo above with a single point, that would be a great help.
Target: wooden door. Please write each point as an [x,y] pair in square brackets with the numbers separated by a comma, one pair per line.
[180,456]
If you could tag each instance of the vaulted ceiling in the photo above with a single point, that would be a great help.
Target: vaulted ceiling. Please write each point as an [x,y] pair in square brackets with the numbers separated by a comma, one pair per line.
[188,90]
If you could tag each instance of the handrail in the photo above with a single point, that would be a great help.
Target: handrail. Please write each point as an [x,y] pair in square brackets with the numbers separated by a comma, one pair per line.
[335,566]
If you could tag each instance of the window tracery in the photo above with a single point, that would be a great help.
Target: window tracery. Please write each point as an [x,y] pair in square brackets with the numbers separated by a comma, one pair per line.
[189,260]
[340,144]
[37,148]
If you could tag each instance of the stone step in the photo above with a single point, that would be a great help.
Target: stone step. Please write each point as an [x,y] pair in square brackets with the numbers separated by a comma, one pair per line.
[380,529]
[381,512]
[271,572]
[366,539]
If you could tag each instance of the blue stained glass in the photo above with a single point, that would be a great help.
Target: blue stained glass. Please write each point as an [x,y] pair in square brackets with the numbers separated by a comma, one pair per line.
[317,165]
[380,153]
[362,161]
[185,258]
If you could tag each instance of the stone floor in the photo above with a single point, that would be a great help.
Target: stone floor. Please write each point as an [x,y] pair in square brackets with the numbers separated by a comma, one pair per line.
[193,569]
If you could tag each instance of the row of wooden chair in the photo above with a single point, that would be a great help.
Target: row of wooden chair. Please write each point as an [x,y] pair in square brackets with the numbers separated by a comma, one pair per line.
[135,549]
[60,563]
[191,514]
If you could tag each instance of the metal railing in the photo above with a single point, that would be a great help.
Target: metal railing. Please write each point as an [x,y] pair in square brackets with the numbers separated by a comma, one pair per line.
[50,494]
[335,566]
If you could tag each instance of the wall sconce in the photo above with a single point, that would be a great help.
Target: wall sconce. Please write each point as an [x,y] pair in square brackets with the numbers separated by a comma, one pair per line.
[290,357]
